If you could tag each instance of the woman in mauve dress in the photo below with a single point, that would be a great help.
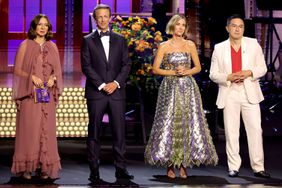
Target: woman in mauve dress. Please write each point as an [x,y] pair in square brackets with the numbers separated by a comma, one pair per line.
[180,136]
[37,62]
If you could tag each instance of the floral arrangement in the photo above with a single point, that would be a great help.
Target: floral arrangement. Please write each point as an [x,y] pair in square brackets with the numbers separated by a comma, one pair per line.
[143,41]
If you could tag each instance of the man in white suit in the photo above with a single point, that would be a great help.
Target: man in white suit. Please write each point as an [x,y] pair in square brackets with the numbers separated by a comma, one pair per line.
[236,66]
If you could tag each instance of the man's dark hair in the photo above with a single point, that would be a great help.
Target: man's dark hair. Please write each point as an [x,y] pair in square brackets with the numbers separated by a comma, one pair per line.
[101,6]
[234,16]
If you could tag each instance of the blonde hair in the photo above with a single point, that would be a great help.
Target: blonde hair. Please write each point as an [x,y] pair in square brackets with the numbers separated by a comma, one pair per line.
[172,22]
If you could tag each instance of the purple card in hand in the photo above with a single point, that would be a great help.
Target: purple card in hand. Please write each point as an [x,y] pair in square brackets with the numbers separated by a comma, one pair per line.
[41,95]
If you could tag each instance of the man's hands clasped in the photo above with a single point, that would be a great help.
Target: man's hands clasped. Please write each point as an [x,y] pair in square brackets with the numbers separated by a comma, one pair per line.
[109,88]
[240,76]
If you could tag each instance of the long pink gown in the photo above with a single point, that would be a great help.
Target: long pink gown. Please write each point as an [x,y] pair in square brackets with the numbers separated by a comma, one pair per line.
[36,141]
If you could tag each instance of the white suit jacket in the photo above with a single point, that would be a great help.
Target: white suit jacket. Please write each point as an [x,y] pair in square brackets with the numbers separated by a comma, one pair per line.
[221,67]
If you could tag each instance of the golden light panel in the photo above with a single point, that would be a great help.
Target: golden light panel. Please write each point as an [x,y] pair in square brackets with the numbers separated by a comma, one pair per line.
[71,113]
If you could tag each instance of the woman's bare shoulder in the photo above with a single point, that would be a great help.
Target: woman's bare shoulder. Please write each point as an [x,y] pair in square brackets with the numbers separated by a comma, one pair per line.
[190,43]
[163,46]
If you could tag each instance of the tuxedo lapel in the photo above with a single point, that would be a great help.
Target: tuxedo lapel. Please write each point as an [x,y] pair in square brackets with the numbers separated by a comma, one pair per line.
[98,44]
[111,50]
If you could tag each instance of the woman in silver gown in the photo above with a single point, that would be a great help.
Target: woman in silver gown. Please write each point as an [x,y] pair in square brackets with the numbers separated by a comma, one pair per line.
[180,136]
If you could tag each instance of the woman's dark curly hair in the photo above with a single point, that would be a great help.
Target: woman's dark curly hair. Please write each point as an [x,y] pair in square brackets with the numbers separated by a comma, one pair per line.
[33,24]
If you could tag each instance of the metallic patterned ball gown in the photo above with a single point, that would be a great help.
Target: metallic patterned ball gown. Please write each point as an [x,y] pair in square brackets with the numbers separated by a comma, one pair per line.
[180,133]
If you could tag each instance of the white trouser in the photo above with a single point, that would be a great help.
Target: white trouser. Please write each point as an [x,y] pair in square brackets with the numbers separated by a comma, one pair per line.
[237,103]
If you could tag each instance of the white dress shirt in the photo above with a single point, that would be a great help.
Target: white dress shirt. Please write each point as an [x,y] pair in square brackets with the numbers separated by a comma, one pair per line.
[106,45]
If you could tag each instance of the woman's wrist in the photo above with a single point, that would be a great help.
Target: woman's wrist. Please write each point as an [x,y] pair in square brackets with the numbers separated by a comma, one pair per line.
[54,77]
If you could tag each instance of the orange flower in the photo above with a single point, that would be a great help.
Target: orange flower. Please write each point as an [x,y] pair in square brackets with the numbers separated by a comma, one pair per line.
[144,22]
[140,72]
[158,38]
[140,48]
[158,33]
[143,44]
[136,27]
[151,21]
[123,32]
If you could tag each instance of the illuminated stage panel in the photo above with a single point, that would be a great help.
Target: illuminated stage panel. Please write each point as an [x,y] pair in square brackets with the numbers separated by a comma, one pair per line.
[16,15]
[72,116]
[124,7]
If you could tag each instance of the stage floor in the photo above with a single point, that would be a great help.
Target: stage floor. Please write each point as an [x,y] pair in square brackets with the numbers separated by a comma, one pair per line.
[75,171]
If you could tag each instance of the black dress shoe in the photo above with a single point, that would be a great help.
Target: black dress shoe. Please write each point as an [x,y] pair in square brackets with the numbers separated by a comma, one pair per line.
[123,174]
[262,174]
[233,173]
[94,175]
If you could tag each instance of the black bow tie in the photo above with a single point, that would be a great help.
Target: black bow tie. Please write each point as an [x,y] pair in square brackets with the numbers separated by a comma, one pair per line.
[107,33]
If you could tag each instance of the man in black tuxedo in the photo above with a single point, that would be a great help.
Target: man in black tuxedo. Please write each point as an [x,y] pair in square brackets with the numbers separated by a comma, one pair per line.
[106,64]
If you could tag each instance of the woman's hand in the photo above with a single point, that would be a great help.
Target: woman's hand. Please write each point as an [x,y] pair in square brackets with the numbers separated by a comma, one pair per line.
[37,81]
[181,70]
[51,81]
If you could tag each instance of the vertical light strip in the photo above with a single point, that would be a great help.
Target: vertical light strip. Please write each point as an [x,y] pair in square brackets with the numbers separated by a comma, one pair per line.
[24,9]
[69,13]
[181,6]
[40,6]
[115,6]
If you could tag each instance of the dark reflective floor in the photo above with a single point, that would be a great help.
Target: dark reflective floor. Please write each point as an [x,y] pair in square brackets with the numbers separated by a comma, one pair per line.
[75,170]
